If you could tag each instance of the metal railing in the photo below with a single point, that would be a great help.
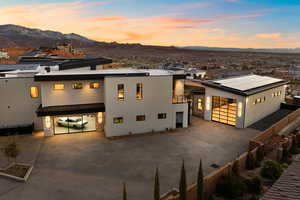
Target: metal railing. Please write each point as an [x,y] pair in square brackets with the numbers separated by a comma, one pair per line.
[179,99]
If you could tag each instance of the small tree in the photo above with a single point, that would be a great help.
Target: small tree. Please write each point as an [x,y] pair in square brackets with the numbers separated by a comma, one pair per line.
[156,186]
[200,183]
[294,148]
[182,184]
[124,192]
[11,151]
[236,167]
[260,153]
[250,162]
[285,154]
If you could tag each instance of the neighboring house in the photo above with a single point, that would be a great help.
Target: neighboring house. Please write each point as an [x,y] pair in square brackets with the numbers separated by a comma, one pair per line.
[4,55]
[294,71]
[287,186]
[60,100]
[242,101]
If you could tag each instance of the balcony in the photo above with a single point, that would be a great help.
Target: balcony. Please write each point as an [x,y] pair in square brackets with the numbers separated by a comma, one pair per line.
[179,99]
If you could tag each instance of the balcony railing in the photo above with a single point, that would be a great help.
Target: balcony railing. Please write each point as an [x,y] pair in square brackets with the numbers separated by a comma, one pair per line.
[179,99]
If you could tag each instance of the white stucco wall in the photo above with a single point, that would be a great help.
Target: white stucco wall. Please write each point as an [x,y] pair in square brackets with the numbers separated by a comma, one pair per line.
[157,92]
[250,113]
[17,108]
[261,110]
[70,96]
[209,92]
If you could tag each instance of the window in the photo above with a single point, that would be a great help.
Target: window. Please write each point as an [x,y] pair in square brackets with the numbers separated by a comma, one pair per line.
[121,92]
[199,105]
[77,86]
[139,91]
[162,115]
[34,92]
[59,87]
[276,94]
[94,85]
[140,118]
[118,120]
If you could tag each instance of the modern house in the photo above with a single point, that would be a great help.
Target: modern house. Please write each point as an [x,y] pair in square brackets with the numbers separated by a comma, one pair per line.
[242,101]
[71,98]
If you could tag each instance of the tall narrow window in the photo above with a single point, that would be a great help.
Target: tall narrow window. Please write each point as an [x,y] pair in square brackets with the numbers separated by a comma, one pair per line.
[34,92]
[139,91]
[59,86]
[199,105]
[121,92]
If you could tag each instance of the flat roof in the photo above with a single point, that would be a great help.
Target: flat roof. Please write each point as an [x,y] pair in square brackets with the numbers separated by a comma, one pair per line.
[100,74]
[245,85]
[14,67]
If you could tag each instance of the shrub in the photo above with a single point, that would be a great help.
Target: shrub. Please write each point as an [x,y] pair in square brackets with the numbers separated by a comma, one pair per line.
[271,170]
[230,186]
[254,185]
[250,162]
[284,165]
[11,151]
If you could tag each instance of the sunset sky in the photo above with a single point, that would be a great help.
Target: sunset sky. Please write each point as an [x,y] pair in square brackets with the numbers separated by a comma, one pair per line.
[216,23]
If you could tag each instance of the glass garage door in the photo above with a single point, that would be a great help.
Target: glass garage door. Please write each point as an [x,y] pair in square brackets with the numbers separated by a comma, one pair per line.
[224,110]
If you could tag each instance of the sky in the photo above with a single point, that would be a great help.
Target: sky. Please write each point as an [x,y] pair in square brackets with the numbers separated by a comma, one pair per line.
[213,23]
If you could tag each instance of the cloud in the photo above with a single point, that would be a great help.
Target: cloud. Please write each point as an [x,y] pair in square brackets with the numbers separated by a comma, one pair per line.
[268,35]
[168,20]
[190,5]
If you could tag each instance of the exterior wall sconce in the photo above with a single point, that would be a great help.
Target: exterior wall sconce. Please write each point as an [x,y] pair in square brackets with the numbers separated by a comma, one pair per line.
[100,117]
[240,108]
[48,122]
[208,101]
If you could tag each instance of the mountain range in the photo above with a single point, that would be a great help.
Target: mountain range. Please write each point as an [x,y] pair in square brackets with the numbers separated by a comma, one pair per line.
[19,36]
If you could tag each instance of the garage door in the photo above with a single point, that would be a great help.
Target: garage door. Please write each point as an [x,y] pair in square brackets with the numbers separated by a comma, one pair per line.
[224,110]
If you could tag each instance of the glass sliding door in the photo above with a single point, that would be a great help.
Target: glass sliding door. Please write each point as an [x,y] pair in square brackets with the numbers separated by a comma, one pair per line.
[224,110]
[74,124]
[89,122]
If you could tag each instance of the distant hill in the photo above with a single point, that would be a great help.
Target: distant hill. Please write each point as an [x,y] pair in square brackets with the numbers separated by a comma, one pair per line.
[278,50]
[19,36]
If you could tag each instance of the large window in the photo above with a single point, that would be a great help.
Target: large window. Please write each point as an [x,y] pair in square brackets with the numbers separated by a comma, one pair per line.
[162,115]
[118,120]
[77,86]
[34,92]
[224,110]
[74,123]
[139,91]
[121,92]
[94,85]
[140,118]
[58,86]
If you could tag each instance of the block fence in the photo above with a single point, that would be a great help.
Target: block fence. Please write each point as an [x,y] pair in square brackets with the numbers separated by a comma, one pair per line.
[211,180]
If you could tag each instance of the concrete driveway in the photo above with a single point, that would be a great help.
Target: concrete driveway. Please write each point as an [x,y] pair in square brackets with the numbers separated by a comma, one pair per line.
[88,166]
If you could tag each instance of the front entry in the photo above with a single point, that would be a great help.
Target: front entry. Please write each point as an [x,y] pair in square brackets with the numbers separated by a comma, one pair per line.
[179,119]
[74,123]
[224,110]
